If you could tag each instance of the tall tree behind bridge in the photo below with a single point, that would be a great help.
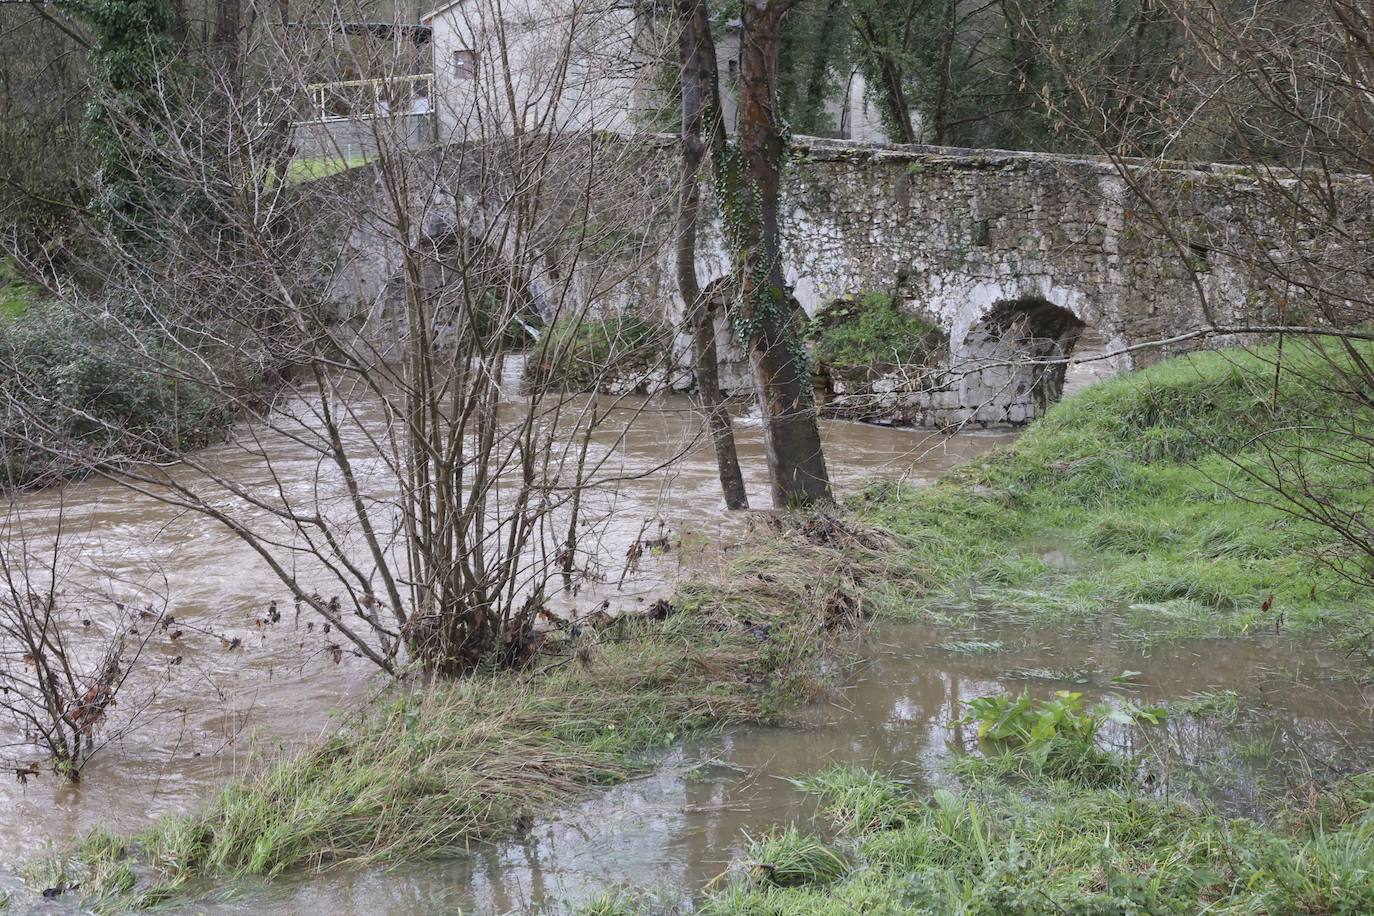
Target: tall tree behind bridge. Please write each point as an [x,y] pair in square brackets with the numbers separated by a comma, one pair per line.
[767,316]
[132,51]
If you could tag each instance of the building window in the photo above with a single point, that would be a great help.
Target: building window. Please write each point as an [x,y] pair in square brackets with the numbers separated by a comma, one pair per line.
[465,64]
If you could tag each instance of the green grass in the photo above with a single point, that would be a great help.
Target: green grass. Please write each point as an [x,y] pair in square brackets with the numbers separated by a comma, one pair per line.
[428,772]
[1056,847]
[311,168]
[589,353]
[860,801]
[16,293]
[789,858]
[1136,478]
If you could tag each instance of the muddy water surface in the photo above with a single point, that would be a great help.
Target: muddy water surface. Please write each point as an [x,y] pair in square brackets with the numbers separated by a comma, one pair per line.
[1298,715]
[215,710]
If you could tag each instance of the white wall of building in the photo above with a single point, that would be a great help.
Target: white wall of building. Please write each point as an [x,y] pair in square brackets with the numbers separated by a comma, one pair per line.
[578,65]
[552,65]
[853,114]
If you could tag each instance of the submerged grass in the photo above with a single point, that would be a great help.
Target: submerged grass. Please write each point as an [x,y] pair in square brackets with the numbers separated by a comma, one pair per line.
[1056,847]
[429,771]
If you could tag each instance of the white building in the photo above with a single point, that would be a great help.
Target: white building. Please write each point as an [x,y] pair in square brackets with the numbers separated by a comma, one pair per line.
[580,64]
[854,115]
[548,65]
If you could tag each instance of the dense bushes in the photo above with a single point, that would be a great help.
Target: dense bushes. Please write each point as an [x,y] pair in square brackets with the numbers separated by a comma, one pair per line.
[74,396]
[870,334]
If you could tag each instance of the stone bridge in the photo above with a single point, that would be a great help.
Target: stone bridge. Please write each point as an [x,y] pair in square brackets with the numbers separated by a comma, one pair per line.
[1014,255]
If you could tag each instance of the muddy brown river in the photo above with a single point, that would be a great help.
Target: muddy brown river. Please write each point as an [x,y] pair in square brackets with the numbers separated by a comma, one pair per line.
[215,711]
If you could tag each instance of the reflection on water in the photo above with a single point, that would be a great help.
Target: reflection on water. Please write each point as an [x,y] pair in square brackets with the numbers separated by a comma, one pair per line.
[216,711]
[1300,712]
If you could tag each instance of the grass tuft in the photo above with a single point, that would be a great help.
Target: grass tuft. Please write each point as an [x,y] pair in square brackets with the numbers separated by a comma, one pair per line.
[789,858]
[859,801]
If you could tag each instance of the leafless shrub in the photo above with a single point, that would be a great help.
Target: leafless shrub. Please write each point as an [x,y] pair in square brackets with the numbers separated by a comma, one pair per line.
[366,330]
[65,656]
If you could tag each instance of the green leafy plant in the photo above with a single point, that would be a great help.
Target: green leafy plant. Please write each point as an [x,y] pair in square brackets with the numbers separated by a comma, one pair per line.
[1028,722]
[870,332]
[1055,738]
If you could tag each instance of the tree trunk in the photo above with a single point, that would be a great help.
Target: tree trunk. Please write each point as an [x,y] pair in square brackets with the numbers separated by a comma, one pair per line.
[768,313]
[228,17]
[940,116]
[816,81]
[701,116]
[890,79]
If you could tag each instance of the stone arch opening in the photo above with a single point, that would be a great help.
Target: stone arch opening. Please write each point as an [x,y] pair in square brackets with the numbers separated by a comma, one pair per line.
[463,280]
[1010,367]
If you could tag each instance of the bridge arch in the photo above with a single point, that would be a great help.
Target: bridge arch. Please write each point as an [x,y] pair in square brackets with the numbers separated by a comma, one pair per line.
[1010,365]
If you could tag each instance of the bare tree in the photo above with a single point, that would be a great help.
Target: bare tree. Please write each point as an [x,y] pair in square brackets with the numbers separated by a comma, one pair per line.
[703,130]
[63,665]
[373,321]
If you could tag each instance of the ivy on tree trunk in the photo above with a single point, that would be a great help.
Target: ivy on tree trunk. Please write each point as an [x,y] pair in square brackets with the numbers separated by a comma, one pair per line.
[767,314]
[703,126]
[131,51]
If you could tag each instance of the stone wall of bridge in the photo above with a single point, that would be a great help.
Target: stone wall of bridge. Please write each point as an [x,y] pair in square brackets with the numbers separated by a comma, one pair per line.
[1014,255]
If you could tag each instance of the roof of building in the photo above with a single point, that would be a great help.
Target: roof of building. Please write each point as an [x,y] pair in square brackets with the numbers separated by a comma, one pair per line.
[442,8]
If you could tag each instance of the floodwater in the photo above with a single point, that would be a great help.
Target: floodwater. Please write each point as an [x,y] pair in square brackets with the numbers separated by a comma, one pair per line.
[1299,714]
[213,708]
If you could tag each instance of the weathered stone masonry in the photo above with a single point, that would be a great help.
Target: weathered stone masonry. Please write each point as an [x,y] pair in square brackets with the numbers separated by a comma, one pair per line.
[1013,254]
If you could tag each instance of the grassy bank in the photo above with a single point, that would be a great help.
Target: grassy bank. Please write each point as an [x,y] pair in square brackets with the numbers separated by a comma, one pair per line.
[868,335]
[16,293]
[1052,847]
[1132,499]
[430,771]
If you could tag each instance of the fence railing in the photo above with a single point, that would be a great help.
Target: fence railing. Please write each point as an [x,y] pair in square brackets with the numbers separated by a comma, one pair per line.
[359,100]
